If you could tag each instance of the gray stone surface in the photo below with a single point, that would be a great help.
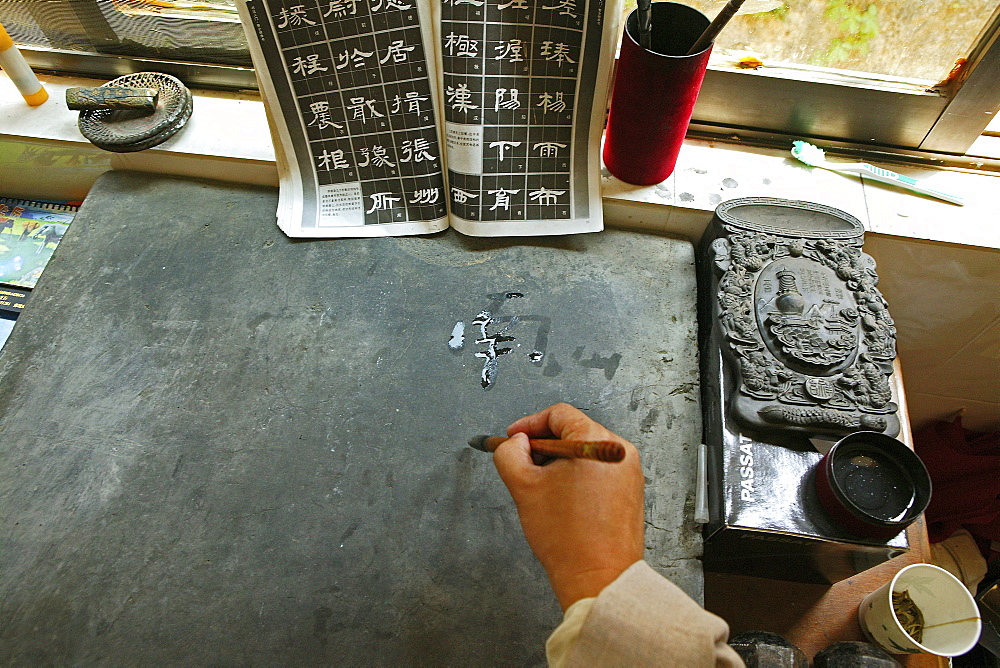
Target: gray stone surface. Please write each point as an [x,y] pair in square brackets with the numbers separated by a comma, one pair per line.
[219,445]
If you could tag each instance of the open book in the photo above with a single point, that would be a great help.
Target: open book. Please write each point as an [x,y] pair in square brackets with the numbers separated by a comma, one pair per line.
[396,117]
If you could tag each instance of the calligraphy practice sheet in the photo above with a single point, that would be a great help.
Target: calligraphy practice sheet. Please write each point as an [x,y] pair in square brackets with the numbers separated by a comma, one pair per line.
[395,117]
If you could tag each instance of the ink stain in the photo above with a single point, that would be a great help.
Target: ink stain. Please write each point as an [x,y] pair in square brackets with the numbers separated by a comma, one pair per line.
[552,368]
[766,182]
[729,183]
[687,197]
[347,534]
[255,323]
[382,355]
[608,364]
[714,199]
[457,340]
[649,422]
[578,353]
[321,617]
[536,356]
[698,170]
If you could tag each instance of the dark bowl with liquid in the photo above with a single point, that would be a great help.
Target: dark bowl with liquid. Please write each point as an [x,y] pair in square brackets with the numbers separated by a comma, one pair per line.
[872,484]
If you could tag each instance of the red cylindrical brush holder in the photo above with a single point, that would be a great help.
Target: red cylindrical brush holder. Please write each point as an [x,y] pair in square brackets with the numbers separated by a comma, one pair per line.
[654,94]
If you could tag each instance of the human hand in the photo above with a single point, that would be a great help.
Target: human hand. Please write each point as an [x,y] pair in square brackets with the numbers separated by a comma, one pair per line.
[582,518]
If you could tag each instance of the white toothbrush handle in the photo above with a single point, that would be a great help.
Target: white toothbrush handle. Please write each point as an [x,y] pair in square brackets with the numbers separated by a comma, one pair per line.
[887,176]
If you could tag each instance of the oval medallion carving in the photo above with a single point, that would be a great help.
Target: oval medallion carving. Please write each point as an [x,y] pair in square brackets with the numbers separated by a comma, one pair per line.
[807,316]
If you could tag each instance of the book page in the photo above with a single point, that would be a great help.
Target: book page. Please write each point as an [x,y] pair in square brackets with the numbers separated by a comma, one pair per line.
[349,90]
[525,87]
[355,91]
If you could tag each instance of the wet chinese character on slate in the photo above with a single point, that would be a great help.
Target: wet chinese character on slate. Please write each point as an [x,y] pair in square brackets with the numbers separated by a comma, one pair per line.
[497,335]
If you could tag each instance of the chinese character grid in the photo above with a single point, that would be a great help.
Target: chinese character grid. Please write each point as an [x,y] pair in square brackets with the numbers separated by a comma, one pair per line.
[360,78]
[512,67]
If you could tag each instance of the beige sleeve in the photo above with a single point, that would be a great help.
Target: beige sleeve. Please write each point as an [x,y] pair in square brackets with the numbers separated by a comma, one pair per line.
[640,619]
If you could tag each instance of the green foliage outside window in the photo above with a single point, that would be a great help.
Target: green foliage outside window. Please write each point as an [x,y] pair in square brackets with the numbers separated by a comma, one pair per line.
[856,27]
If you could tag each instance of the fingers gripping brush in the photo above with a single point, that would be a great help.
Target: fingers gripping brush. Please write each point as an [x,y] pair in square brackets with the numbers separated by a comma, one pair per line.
[602,451]
[815,157]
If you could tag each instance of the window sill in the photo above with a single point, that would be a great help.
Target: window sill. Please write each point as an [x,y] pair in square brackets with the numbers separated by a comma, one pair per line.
[708,173]
[228,138]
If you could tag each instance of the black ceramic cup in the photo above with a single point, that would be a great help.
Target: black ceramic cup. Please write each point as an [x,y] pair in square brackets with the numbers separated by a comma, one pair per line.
[872,484]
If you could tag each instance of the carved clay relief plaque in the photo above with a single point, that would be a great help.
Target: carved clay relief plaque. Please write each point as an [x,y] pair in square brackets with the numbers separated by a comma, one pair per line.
[806,335]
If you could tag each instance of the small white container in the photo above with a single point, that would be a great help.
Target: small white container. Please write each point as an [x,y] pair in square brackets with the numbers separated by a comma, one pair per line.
[951,618]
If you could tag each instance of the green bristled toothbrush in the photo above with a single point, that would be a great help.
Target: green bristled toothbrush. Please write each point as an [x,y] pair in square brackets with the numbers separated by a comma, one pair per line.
[815,157]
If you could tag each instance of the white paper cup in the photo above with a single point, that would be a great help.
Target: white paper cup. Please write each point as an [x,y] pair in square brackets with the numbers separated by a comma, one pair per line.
[951,617]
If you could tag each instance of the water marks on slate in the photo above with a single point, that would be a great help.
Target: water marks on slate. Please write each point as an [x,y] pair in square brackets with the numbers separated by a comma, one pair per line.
[497,333]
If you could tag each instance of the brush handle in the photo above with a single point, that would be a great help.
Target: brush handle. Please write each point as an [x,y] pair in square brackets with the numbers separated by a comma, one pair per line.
[602,451]
[644,16]
[716,26]
[891,177]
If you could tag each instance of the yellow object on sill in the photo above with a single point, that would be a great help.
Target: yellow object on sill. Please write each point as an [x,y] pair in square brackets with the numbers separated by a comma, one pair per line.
[17,68]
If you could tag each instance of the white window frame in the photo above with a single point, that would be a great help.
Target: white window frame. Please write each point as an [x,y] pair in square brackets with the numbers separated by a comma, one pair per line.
[855,112]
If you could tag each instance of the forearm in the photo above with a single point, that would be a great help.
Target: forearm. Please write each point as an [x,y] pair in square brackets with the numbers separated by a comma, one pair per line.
[641,619]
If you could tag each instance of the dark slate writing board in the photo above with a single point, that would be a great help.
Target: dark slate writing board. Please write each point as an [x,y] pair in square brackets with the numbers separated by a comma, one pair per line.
[220,445]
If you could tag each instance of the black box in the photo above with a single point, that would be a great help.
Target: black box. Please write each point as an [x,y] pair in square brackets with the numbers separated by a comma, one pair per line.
[766,519]
[766,267]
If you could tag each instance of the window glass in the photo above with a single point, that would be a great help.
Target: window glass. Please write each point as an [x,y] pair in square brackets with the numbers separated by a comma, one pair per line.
[207,31]
[920,39]
[209,10]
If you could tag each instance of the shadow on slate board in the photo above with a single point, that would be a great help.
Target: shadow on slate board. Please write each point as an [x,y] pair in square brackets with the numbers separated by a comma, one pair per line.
[220,445]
